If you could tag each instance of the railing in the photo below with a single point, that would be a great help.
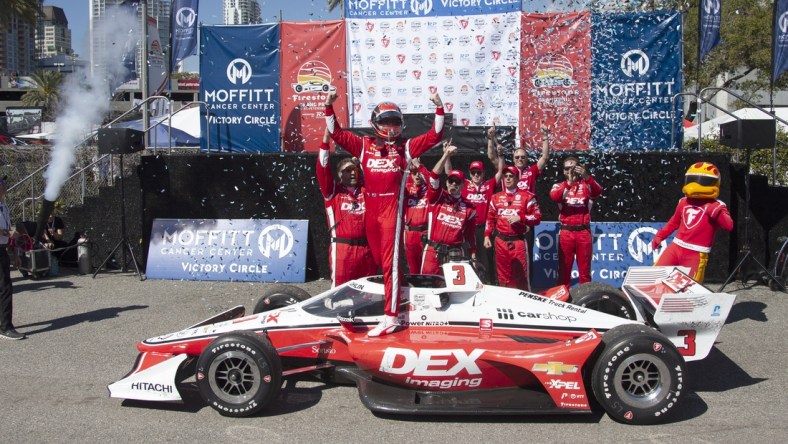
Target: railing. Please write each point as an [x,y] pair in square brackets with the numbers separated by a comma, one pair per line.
[89,163]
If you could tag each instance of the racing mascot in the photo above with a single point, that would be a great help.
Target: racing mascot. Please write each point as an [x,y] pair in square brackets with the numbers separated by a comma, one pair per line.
[698,216]
[384,159]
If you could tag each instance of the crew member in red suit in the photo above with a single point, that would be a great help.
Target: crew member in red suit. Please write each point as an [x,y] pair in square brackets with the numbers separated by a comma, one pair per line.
[349,255]
[698,216]
[415,215]
[479,191]
[384,159]
[452,219]
[575,197]
[510,215]
[528,174]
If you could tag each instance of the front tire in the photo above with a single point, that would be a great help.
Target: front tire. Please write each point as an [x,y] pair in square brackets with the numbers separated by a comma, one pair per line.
[639,377]
[602,297]
[280,296]
[239,374]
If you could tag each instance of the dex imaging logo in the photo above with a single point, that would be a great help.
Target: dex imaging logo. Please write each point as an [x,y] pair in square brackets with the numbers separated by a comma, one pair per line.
[239,69]
[420,7]
[275,238]
[185,17]
[634,62]
[711,6]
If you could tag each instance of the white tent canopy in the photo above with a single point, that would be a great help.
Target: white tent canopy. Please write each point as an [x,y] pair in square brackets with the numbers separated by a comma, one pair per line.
[711,128]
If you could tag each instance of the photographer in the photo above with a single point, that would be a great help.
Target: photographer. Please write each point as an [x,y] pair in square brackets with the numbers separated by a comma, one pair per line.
[574,197]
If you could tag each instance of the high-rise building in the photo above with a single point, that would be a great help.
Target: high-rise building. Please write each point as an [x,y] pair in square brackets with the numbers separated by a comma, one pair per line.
[242,12]
[159,9]
[17,45]
[52,34]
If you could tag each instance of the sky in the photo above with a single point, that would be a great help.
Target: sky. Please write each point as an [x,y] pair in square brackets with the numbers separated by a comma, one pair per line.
[210,13]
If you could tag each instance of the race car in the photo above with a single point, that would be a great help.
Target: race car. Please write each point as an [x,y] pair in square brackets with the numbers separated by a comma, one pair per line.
[466,347]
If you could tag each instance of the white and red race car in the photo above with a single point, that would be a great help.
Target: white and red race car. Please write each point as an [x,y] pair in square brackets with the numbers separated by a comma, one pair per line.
[467,348]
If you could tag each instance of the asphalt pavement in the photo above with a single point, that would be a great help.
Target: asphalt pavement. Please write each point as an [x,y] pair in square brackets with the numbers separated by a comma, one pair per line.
[82,334]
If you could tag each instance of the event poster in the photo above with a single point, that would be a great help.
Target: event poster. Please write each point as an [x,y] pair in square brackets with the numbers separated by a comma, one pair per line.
[617,246]
[239,74]
[248,250]
[313,65]
[405,56]
[556,80]
[637,71]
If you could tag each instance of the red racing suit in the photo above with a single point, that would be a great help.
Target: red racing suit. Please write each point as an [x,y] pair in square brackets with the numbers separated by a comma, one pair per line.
[511,253]
[415,221]
[575,239]
[452,221]
[349,255]
[528,177]
[697,221]
[384,164]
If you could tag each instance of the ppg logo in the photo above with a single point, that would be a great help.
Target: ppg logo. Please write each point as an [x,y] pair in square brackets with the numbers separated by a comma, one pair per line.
[185,17]
[422,7]
[275,238]
[639,248]
[634,62]
[711,6]
[239,69]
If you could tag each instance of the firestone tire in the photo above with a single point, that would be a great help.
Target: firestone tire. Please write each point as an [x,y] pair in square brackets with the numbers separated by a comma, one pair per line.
[639,377]
[239,374]
[280,296]
[602,297]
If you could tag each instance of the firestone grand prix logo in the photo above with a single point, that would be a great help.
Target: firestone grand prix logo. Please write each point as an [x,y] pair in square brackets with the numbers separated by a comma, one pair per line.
[239,69]
[634,62]
[185,17]
[275,238]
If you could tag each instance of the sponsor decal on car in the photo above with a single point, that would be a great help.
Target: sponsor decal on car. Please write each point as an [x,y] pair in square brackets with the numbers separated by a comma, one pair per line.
[554,368]
[150,387]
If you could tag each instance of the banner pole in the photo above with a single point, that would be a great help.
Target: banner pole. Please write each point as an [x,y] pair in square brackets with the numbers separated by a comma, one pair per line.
[697,83]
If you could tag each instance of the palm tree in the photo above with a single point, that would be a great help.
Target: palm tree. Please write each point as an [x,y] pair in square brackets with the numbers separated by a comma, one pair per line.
[25,10]
[47,94]
[333,4]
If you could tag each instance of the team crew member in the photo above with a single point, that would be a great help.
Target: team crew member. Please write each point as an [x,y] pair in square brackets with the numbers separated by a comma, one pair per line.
[528,174]
[384,158]
[349,255]
[510,214]
[479,191]
[452,219]
[575,197]
[698,216]
[415,215]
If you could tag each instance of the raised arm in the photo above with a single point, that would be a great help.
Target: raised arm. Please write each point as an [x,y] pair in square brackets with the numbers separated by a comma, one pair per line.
[347,140]
[324,175]
[542,162]
[495,154]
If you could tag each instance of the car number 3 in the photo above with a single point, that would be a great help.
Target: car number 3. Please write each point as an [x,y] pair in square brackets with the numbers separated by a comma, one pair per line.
[459,275]
[688,347]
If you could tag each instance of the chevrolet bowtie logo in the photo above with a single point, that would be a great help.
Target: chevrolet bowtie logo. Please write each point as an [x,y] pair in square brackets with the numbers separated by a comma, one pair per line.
[555,368]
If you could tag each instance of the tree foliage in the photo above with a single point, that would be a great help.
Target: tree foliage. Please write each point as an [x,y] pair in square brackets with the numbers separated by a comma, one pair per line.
[25,10]
[46,94]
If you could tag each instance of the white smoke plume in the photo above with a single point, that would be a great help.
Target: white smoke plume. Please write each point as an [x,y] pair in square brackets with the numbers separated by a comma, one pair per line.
[85,99]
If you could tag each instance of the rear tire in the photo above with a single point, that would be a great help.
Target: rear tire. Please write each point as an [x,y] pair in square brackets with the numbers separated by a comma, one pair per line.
[604,298]
[280,296]
[639,377]
[239,374]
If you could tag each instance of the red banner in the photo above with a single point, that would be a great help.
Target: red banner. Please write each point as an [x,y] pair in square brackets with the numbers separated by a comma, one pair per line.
[556,79]
[313,63]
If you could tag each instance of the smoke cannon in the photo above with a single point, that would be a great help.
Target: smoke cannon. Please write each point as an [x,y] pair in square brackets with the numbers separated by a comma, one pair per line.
[47,208]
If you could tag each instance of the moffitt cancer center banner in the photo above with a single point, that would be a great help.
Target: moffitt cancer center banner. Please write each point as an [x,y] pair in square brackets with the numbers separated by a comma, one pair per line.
[228,250]
[600,81]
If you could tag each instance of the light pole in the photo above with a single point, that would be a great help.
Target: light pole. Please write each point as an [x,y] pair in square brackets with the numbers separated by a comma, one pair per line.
[58,64]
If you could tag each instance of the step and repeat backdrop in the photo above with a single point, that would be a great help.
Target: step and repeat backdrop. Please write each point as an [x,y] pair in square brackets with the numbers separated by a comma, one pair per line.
[601,81]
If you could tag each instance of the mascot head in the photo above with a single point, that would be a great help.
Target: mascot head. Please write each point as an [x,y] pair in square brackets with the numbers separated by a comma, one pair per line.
[702,180]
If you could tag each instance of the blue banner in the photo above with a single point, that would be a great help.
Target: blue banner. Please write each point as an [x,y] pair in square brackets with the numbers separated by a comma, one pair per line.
[617,246]
[183,30]
[780,38]
[394,9]
[709,25]
[636,72]
[228,250]
[239,75]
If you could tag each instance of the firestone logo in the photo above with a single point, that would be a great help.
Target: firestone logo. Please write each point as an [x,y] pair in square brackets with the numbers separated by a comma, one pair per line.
[275,238]
[185,17]
[634,62]
[239,69]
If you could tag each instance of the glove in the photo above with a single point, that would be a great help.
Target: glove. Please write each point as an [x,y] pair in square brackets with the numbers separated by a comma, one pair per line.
[656,243]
